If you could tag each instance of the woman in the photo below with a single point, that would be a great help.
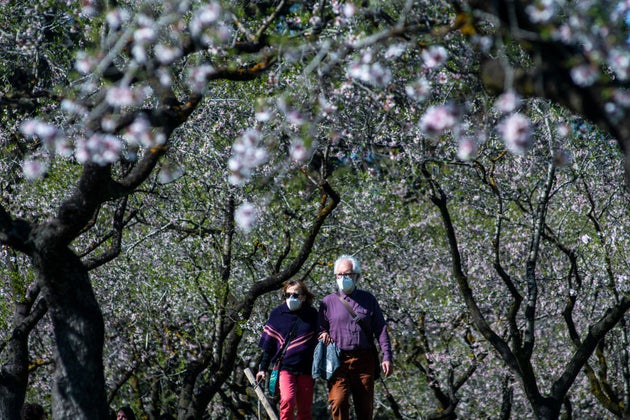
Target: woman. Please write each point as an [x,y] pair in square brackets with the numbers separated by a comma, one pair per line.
[288,339]
[125,413]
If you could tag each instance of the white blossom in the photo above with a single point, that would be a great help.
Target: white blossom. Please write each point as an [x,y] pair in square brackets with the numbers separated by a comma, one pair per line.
[247,154]
[205,16]
[245,217]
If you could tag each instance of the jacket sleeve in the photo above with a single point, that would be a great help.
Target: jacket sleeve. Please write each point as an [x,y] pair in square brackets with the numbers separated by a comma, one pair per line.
[379,328]
[264,361]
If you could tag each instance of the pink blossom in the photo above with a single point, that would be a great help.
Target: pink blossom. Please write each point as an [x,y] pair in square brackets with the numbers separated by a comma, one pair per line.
[34,168]
[295,117]
[349,10]
[298,150]
[389,103]
[73,108]
[39,128]
[541,11]
[508,102]
[198,76]
[144,35]
[619,62]
[120,96]
[315,21]
[103,149]
[434,57]
[164,76]
[395,51]
[467,148]
[63,147]
[84,62]
[166,54]
[438,118]
[419,89]
[139,133]
[116,17]
[374,74]
[516,133]
[263,115]
[584,74]
[563,130]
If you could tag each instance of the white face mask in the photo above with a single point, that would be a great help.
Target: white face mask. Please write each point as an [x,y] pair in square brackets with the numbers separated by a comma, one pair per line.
[293,303]
[345,284]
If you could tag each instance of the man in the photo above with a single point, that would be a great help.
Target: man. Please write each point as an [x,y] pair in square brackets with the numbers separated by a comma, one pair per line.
[352,318]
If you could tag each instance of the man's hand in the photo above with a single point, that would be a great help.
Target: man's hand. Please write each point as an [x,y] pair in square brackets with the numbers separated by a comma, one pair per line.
[387,368]
[325,337]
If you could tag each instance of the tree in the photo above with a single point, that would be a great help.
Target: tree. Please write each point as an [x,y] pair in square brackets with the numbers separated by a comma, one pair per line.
[372,90]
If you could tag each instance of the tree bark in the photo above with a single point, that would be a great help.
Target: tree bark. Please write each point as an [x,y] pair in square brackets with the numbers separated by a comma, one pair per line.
[79,381]
[14,372]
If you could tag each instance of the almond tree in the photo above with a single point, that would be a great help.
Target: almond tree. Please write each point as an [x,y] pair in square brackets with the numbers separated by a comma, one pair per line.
[144,70]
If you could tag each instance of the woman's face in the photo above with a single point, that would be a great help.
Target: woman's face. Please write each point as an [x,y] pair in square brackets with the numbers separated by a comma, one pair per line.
[121,416]
[294,290]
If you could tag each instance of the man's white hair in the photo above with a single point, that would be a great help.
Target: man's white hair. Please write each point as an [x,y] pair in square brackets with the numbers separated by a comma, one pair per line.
[356,266]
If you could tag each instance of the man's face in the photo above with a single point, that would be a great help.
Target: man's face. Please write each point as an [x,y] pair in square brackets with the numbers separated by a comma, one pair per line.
[344,267]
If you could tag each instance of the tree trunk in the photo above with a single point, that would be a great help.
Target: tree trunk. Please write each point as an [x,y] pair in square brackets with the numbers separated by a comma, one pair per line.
[79,382]
[14,373]
[14,370]
[546,409]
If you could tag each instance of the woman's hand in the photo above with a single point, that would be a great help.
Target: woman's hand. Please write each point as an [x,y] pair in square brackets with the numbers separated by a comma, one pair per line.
[260,376]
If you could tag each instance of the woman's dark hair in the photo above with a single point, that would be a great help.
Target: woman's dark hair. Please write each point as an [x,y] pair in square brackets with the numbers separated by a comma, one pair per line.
[308,296]
[32,411]
[128,412]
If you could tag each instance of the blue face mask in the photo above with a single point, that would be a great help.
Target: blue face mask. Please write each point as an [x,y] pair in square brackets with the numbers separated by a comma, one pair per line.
[293,303]
[345,284]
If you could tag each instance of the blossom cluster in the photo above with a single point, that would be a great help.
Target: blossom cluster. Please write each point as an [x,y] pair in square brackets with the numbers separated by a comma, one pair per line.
[248,153]
[246,216]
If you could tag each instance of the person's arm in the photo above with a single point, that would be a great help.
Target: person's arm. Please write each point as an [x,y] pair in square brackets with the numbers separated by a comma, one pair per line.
[263,366]
[324,325]
[379,327]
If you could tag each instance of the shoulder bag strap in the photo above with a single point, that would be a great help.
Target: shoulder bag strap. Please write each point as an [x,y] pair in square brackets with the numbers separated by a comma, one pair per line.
[290,336]
[356,318]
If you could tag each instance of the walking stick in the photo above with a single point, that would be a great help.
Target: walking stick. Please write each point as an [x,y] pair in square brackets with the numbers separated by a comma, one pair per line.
[392,402]
[261,395]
